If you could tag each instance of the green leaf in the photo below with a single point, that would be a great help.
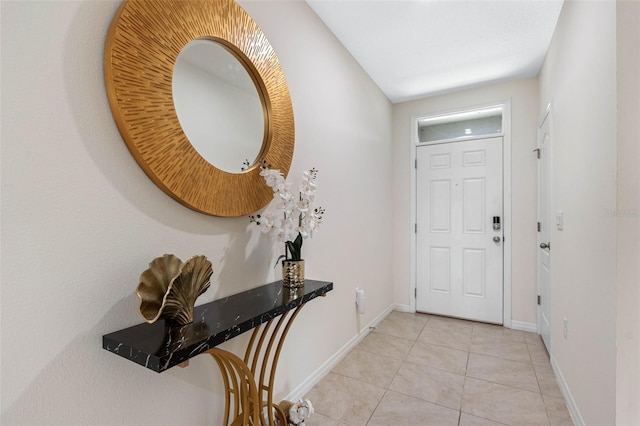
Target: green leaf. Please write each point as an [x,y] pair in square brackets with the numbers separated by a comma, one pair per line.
[295,248]
[282,256]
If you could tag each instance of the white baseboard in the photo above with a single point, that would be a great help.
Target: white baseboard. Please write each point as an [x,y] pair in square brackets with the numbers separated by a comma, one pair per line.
[568,397]
[303,388]
[524,326]
[403,308]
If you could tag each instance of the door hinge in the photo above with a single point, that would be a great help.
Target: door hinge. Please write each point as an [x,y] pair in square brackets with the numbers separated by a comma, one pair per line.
[537,151]
[539,226]
[538,299]
[415,292]
[415,228]
[415,164]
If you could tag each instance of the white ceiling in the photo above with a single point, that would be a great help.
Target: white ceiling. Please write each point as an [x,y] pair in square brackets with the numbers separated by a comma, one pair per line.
[419,48]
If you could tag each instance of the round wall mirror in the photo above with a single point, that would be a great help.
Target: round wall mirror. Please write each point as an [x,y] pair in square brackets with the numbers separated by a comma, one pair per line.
[143,57]
[218,105]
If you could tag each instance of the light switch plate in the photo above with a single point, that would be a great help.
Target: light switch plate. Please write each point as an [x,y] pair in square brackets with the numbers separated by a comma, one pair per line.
[559,220]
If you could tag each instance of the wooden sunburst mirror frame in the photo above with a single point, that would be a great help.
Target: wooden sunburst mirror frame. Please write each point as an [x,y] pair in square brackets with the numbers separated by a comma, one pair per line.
[143,43]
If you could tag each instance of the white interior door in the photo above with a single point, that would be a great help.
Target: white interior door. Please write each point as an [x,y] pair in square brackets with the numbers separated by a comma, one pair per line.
[544,236]
[459,253]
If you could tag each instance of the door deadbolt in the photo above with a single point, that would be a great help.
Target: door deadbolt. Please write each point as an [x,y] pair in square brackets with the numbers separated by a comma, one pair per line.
[496,223]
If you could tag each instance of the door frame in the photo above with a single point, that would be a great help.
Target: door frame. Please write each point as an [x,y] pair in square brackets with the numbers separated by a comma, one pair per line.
[506,194]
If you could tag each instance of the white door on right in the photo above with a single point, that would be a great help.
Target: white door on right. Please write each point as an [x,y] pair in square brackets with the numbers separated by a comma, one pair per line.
[459,253]
[544,244]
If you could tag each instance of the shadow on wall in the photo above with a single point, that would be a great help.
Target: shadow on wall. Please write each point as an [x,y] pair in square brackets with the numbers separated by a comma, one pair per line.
[247,262]
[86,90]
[85,384]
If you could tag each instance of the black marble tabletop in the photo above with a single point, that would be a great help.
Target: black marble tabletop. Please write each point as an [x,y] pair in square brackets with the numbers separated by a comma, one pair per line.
[160,346]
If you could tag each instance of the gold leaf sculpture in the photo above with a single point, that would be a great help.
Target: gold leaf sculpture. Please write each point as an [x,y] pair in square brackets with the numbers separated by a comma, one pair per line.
[169,288]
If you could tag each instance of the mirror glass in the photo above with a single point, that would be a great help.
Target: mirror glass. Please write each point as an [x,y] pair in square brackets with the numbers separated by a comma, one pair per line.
[218,105]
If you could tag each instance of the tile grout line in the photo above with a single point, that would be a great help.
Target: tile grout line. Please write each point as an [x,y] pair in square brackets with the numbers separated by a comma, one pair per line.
[421,399]
[377,405]
[462,396]
[506,386]
[484,418]
[500,384]
[504,359]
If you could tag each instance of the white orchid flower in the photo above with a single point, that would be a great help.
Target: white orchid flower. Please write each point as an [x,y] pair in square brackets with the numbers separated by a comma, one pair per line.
[303,205]
[282,186]
[307,190]
[285,195]
[271,181]
[296,218]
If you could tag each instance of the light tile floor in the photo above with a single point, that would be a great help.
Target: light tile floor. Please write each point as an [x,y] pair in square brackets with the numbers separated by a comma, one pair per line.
[418,369]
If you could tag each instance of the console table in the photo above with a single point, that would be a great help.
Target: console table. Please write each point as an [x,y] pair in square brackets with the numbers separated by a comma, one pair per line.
[249,381]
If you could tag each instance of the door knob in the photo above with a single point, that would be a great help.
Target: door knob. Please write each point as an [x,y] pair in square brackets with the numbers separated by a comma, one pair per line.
[496,239]
[545,245]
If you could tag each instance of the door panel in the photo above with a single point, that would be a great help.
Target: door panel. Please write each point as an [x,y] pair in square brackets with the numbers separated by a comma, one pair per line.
[441,161]
[474,262]
[473,158]
[441,206]
[440,276]
[459,266]
[473,203]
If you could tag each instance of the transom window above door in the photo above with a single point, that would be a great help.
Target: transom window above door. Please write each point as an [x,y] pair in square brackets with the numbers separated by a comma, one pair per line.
[464,124]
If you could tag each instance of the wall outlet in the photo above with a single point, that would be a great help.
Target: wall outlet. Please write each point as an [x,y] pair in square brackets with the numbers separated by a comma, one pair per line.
[360,301]
[566,326]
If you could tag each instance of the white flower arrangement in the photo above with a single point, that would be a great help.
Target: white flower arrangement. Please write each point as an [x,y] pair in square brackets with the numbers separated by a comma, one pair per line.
[297,218]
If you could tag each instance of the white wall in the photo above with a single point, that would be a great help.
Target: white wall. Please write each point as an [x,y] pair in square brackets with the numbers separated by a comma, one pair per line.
[628,250]
[524,118]
[579,78]
[81,221]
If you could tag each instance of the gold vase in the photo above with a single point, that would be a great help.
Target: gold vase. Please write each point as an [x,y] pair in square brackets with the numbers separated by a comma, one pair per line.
[293,273]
